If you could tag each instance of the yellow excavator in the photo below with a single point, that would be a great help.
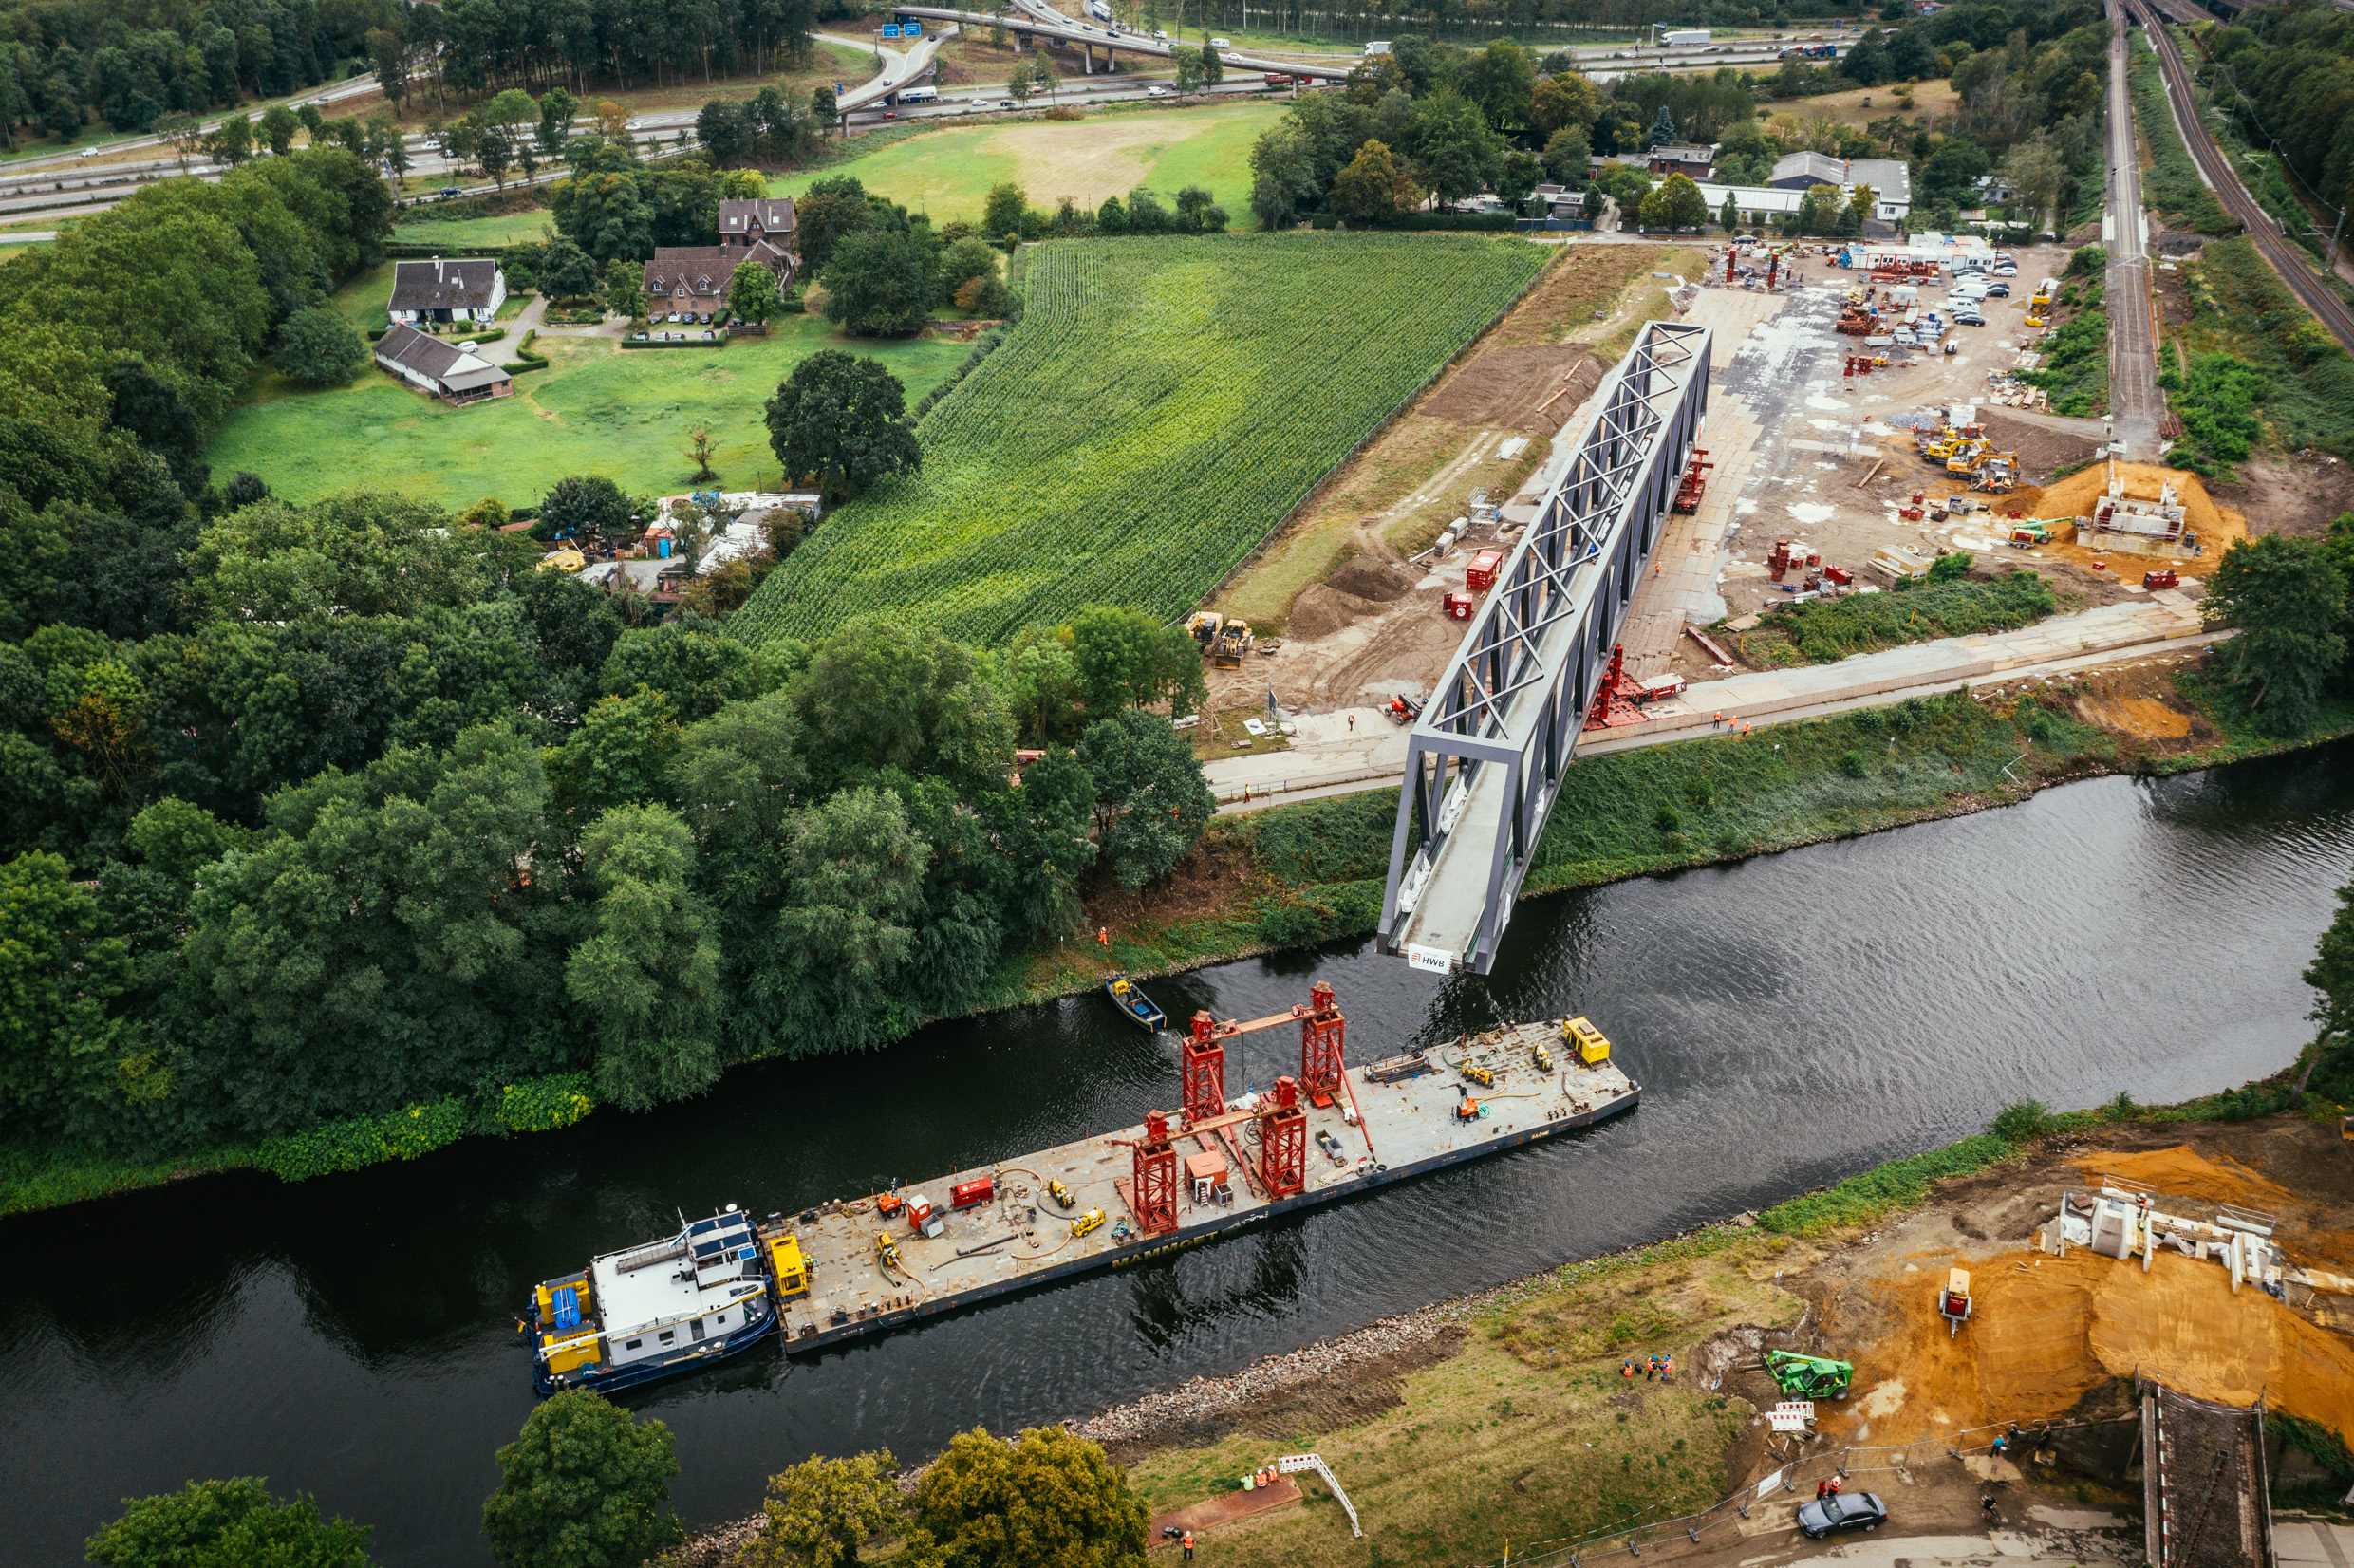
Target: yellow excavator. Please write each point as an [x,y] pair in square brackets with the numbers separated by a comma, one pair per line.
[1234,641]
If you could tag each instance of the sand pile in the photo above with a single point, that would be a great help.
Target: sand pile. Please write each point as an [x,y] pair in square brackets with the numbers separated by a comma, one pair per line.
[1367,578]
[2074,497]
[2181,1172]
[1323,609]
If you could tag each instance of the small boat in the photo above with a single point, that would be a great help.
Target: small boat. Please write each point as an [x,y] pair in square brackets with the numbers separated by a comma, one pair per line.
[689,1301]
[1128,999]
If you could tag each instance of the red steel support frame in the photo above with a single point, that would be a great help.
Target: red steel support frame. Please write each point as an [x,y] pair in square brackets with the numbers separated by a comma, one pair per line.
[1321,1033]
[1155,1188]
[1283,1143]
[1204,1068]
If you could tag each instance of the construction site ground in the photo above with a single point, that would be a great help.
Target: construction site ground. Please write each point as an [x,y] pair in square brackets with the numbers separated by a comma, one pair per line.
[1515,1425]
[1799,452]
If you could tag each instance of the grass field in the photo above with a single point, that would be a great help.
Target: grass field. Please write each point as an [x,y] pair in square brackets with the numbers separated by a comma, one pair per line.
[505,229]
[948,173]
[594,410]
[1163,404]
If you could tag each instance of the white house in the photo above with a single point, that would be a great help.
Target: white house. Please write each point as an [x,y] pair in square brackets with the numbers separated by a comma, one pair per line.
[446,290]
[441,369]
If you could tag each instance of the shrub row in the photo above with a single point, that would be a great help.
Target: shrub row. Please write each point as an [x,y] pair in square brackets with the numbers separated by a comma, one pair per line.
[536,1105]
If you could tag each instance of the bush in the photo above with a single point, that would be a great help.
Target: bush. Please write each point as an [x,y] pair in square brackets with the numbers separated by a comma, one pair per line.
[320,348]
[545,1104]
[1899,1183]
[357,1141]
[1825,630]
[1852,764]
[2021,1121]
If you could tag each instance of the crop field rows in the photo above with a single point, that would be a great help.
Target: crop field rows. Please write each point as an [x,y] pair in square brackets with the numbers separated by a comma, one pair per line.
[1163,404]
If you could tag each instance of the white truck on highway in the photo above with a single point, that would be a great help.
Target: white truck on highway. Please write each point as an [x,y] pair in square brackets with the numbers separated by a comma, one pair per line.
[1685,37]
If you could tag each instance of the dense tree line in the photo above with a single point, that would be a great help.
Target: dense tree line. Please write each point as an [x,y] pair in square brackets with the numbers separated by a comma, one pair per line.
[313,811]
[585,1482]
[2287,74]
[64,61]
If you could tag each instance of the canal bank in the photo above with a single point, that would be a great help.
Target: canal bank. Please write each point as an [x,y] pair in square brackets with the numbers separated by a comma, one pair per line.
[1794,1018]
[1296,876]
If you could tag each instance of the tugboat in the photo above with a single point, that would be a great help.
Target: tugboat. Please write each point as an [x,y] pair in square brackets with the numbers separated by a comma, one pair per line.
[1128,999]
[678,1305]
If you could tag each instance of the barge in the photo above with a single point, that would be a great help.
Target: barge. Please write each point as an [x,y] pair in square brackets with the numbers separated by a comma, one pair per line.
[864,1266]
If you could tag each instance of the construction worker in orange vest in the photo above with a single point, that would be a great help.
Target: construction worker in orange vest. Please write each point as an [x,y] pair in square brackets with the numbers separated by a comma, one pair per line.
[1103,934]
[1189,1546]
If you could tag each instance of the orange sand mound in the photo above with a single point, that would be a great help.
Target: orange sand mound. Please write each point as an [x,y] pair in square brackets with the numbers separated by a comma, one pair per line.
[2074,496]
[2043,1336]
[2182,1173]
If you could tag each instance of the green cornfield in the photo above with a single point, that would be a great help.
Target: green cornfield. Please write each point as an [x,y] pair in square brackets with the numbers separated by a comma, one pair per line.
[1163,406]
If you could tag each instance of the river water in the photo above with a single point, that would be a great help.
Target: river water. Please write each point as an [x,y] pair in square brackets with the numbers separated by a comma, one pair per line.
[1793,1019]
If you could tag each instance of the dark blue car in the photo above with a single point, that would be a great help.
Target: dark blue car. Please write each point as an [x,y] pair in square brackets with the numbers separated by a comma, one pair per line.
[1827,1516]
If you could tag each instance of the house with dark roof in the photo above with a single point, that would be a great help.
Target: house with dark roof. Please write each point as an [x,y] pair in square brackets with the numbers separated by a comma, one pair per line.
[1692,161]
[441,369]
[446,290]
[692,280]
[746,222]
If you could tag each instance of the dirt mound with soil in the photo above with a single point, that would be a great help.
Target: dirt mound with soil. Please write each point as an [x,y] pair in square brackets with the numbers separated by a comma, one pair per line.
[2074,496]
[2041,451]
[1323,609]
[1517,387]
[1365,578]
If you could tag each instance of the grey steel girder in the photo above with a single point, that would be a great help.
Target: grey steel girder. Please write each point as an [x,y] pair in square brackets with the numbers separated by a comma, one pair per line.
[1485,760]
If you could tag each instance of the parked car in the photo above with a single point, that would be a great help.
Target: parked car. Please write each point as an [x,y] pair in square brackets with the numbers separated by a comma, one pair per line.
[1841,1514]
[1998,290]
[1967,318]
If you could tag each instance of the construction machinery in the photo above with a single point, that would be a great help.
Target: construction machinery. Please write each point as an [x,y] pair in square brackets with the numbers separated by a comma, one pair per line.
[1855,324]
[885,1250]
[1997,473]
[2029,535]
[1809,1376]
[2035,318]
[1953,1301]
[1404,709]
[2166,579]
[1233,642]
[1203,626]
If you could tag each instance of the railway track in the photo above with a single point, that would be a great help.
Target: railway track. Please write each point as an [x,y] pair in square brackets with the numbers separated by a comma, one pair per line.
[2285,256]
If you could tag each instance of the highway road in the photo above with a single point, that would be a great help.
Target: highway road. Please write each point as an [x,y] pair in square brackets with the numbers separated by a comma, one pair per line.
[2136,406]
[2286,258]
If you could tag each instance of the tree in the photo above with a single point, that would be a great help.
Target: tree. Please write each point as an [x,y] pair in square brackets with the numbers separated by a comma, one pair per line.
[209,1522]
[1566,156]
[1372,189]
[1001,212]
[566,270]
[699,453]
[822,107]
[1676,204]
[58,1045]
[2332,973]
[1187,61]
[1728,215]
[586,507]
[278,126]
[1123,658]
[388,51]
[883,281]
[842,421]
[828,211]
[625,287]
[1563,101]
[1663,128]
[647,974]
[1867,62]
[318,347]
[822,1510]
[1213,68]
[966,259]
[1150,801]
[1596,202]
[496,154]
[2039,173]
[234,142]
[556,110]
[584,1487]
[724,131]
[1520,173]
[619,754]
[2288,602]
[1050,1498]
[752,292]
[1455,153]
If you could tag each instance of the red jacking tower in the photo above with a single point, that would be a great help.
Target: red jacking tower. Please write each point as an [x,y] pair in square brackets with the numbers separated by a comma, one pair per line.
[1153,1192]
[1283,1142]
[1323,1032]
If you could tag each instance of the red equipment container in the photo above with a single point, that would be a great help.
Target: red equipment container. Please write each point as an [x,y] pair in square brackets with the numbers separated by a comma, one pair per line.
[1840,575]
[1480,575]
[966,1194]
[2166,579]
[1459,606]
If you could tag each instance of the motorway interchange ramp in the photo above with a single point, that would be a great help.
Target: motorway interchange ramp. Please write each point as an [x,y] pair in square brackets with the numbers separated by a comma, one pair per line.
[1486,758]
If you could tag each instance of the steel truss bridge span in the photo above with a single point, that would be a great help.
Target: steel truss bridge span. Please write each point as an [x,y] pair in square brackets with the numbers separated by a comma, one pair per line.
[1486,758]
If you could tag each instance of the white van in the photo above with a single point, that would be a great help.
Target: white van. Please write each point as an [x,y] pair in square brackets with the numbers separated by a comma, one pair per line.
[1221,44]
[1968,288]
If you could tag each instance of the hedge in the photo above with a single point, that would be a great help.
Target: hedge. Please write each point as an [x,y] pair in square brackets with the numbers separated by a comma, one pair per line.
[717,339]
[536,1105]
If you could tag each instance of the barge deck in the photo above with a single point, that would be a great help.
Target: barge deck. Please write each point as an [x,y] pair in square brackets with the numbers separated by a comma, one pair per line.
[1394,1120]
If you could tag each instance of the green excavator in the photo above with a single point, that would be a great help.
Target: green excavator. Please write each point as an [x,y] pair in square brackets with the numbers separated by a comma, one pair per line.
[1809,1376]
